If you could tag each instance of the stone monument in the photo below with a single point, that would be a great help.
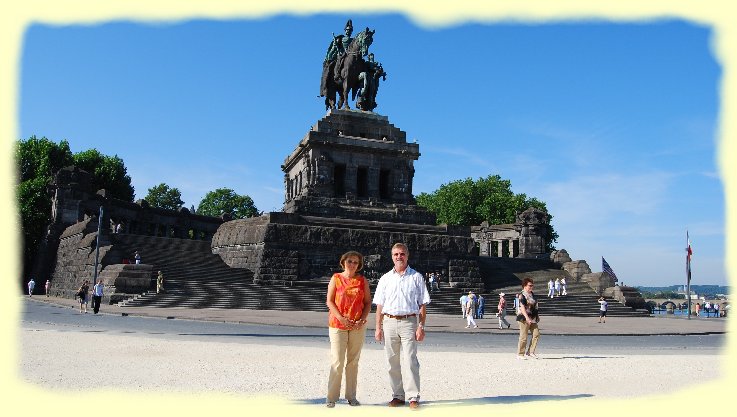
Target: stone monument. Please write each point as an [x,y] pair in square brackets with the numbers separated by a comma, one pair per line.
[348,186]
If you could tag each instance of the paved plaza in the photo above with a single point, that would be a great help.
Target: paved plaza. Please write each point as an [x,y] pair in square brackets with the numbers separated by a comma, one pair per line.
[291,369]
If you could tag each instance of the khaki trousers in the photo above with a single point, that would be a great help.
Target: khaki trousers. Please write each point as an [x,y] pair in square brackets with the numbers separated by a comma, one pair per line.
[345,351]
[400,346]
[524,328]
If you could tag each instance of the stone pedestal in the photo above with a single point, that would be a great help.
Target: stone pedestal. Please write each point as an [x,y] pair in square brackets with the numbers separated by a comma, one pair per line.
[348,186]
[280,248]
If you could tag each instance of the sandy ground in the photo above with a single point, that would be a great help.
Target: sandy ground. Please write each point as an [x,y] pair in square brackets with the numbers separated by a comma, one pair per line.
[299,373]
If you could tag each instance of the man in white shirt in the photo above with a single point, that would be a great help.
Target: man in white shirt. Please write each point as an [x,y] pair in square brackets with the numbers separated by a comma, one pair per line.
[400,299]
[97,293]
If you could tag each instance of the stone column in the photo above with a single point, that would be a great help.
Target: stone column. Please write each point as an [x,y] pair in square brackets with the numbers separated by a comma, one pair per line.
[511,248]
[500,248]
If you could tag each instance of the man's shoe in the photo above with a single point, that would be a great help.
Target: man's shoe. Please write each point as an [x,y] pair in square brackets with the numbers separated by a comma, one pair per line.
[532,355]
[414,405]
[330,404]
[396,402]
[353,403]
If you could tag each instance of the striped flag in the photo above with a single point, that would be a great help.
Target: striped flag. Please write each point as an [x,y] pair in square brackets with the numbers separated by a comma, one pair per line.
[689,251]
[608,269]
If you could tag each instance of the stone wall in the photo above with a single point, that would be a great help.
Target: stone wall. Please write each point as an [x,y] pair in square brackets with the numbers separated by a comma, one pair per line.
[599,281]
[628,296]
[74,201]
[75,258]
[282,247]
[75,263]
[576,269]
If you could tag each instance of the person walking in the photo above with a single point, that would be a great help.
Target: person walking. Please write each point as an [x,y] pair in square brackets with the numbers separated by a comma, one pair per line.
[551,288]
[603,306]
[82,293]
[401,298]
[97,293]
[464,302]
[31,286]
[501,309]
[528,319]
[556,285]
[471,310]
[481,306]
[349,303]
[563,289]
[137,257]
[47,287]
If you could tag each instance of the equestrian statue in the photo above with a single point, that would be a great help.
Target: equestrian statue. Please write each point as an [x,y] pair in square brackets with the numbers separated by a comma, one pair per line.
[345,71]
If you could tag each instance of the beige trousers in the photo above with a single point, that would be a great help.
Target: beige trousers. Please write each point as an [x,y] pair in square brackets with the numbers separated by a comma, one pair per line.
[525,328]
[400,345]
[345,351]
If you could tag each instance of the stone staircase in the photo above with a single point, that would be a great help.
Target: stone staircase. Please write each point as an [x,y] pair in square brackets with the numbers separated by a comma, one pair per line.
[196,278]
[581,301]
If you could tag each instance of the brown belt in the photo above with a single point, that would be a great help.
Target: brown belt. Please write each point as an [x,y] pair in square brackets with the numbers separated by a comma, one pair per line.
[399,317]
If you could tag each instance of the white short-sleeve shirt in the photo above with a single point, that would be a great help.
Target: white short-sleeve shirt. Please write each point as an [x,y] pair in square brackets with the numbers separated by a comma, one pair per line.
[401,294]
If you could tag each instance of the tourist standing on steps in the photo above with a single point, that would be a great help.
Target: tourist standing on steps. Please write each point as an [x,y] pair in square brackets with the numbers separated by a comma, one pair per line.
[137,257]
[528,319]
[501,309]
[464,301]
[557,287]
[432,281]
[471,310]
[31,286]
[563,286]
[603,305]
[97,293]
[349,302]
[160,283]
[401,297]
[550,288]
[47,287]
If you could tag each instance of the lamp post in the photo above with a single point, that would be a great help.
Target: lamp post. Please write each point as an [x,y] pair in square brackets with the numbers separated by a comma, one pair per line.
[688,273]
[97,246]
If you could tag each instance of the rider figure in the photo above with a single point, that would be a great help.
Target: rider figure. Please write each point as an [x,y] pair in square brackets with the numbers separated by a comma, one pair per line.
[346,41]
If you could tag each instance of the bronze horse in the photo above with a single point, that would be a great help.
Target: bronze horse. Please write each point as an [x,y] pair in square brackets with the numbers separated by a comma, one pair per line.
[347,81]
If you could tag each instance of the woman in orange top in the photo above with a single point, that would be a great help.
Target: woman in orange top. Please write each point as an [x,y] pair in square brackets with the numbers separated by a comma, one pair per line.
[349,302]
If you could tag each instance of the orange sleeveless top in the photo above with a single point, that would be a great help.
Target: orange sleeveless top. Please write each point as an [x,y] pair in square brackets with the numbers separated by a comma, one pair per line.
[349,294]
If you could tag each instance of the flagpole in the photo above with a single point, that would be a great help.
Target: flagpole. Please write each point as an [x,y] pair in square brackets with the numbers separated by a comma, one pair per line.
[688,274]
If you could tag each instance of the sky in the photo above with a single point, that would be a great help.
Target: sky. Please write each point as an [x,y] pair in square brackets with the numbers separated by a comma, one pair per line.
[612,125]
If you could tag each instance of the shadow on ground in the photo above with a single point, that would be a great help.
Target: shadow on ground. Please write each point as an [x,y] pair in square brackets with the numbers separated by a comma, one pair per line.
[502,399]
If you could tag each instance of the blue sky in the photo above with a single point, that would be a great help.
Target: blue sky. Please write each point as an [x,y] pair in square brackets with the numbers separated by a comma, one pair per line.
[613,125]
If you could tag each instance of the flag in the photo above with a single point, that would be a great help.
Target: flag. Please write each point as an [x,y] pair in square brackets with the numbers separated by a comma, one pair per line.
[689,251]
[608,269]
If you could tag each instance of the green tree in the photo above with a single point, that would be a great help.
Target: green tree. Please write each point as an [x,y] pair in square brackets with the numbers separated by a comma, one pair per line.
[468,202]
[109,173]
[162,196]
[225,200]
[37,160]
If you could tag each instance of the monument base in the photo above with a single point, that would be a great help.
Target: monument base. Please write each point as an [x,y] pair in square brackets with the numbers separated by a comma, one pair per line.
[280,248]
